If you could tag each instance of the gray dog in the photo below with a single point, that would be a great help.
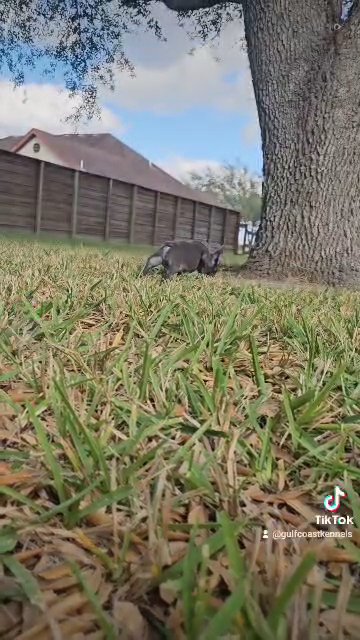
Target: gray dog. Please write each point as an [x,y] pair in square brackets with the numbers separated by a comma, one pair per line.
[181,256]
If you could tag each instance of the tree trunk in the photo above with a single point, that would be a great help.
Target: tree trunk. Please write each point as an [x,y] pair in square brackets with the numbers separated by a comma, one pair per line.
[306,78]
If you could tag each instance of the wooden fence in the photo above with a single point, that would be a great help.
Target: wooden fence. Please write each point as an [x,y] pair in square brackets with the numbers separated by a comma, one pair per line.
[40,197]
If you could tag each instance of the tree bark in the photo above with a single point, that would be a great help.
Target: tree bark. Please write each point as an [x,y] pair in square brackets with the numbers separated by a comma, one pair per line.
[306,78]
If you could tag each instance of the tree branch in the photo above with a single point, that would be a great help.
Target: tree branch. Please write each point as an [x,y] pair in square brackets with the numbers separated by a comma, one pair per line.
[183,6]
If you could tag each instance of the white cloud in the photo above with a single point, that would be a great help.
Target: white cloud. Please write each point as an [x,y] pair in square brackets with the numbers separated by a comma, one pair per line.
[192,81]
[168,80]
[45,106]
[180,168]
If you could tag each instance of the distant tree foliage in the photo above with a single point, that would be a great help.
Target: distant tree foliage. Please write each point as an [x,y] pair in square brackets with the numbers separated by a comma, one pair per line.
[233,185]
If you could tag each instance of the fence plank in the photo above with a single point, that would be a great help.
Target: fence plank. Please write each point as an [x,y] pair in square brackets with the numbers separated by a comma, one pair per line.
[120,219]
[91,206]
[212,211]
[144,218]
[108,210]
[39,198]
[230,230]
[75,204]
[202,222]
[132,214]
[194,220]
[57,204]
[224,226]
[156,216]
[177,211]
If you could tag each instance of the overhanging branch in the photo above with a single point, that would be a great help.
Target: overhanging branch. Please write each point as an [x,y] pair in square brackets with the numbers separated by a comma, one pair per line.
[194,5]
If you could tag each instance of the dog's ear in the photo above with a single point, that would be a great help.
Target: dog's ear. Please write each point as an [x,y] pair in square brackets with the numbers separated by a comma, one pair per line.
[217,249]
[216,254]
[220,249]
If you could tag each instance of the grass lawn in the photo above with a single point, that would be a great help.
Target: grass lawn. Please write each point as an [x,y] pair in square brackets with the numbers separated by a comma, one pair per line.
[150,431]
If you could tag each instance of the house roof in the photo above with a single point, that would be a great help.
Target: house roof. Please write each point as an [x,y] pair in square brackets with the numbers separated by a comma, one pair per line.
[104,155]
[8,142]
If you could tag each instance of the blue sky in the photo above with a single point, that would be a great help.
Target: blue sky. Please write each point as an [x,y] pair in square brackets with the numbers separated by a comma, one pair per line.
[197,133]
[183,112]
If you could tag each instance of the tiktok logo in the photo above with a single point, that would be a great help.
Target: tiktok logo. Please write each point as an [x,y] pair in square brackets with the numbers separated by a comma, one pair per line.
[332,502]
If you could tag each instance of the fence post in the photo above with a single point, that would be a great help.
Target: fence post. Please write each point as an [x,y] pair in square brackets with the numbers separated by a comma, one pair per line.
[39,196]
[177,211]
[132,214]
[156,216]
[75,204]
[108,210]
[212,210]
[194,220]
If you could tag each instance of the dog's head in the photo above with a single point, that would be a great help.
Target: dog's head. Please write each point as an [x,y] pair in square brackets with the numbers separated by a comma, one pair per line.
[211,259]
